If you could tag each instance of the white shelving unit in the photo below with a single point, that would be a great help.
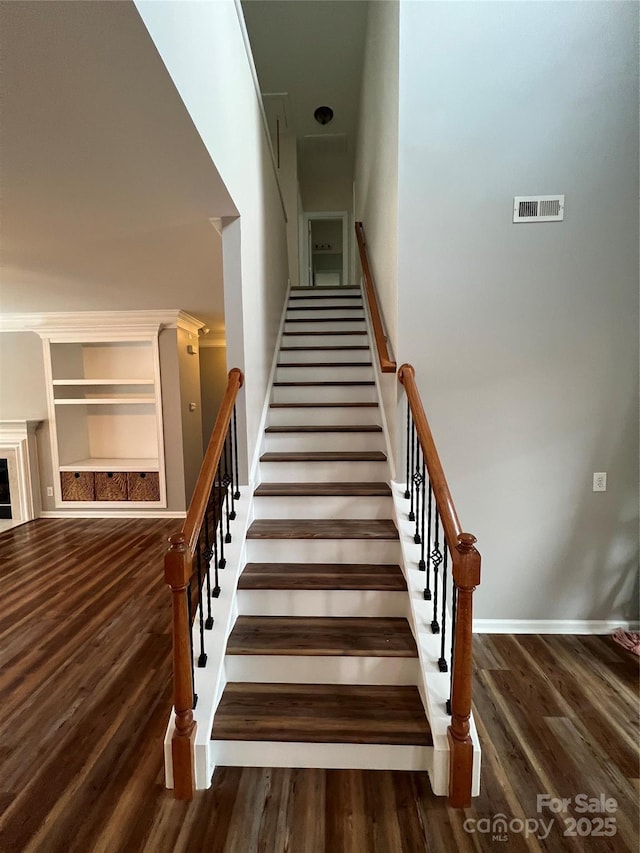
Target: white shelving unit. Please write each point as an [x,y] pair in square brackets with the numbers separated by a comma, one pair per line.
[105,412]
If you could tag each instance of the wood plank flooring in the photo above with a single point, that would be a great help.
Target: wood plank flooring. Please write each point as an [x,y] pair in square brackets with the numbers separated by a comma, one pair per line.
[84,690]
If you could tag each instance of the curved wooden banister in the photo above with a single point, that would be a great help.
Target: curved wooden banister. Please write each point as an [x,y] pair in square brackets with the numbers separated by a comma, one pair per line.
[466,576]
[387,365]
[178,570]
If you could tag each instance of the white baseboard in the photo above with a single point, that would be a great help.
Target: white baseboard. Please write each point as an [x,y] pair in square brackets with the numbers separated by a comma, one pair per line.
[112,513]
[551,626]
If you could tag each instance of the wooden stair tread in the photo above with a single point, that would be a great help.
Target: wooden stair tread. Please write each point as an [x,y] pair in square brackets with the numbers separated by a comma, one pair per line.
[341,287]
[324,320]
[325,384]
[353,295]
[335,576]
[323,528]
[328,364]
[327,428]
[325,456]
[334,332]
[325,347]
[367,405]
[324,307]
[322,713]
[375,636]
[323,490]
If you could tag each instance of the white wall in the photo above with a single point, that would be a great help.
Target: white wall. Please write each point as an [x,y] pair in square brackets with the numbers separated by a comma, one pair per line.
[525,337]
[376,169]
[202,47]
[376,177]
[189,369]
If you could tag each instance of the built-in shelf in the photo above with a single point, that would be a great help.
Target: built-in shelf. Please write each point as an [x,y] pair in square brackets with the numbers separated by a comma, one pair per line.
[103,382]
[120,464]
[102,401]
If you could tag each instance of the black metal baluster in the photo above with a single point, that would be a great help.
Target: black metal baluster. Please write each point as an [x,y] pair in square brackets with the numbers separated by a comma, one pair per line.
[417,480]
[219,506]
[225,482]
[216,588]
[407,493]
[207,561]
[421,562]
[412,516]
[427,589]
[436,559]
[193,672]
[442,663]
[235,439]
[232,514]
[454,606]
[202,659]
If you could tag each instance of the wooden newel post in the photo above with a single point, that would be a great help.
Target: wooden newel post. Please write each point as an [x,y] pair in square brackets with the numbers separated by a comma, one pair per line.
[177,572]
[466,574]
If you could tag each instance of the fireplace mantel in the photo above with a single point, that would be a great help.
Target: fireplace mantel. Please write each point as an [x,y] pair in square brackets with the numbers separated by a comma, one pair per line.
[18,447]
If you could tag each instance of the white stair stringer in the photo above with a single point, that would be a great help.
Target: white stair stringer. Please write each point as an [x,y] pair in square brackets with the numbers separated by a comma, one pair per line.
[434,684]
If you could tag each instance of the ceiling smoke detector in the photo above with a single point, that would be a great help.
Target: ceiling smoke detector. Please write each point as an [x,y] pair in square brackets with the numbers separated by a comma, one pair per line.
[323,115]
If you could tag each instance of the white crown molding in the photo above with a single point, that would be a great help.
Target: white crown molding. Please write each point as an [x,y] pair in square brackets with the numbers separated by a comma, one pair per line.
[98,325]
[551,626]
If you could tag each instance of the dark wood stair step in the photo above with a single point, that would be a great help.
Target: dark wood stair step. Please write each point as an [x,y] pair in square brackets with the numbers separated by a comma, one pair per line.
[334,576]
[327,428]
[323,405]
[322,713]
[327,332]
[358,490]
[325,456]
[375,636]
[324,320]
[343,288]
[323,528]
[328,364]
[324,307]
[353,295]
[323,347]
[358,383]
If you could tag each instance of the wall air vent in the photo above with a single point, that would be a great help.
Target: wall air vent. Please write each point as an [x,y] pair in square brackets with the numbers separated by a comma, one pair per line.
[538,208]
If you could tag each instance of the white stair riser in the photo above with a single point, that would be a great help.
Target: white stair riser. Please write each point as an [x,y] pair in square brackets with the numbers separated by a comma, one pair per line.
[324,393]
[321,374]
[321,669]
[323,472]
[332,326]
[321,602]
[357,756]
[310,415]
[351,302]
[299,441]
[326,339]
[328,355]
[328,291]
[325,313]
[322,551]
[342,506]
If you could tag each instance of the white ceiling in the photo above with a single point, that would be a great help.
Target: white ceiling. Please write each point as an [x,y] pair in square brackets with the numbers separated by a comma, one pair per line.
[312,50]
[106,188]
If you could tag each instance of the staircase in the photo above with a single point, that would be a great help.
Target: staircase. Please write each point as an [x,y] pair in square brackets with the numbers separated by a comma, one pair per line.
[321,665]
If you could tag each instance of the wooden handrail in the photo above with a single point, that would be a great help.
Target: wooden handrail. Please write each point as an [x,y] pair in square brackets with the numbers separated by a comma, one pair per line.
[178,569]
[466,576]
[387,365]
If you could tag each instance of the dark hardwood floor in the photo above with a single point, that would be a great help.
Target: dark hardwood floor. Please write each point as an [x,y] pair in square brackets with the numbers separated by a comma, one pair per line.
[85,694]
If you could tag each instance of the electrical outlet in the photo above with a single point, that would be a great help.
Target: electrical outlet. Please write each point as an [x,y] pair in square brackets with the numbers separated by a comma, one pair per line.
[600,482]
[49,491]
